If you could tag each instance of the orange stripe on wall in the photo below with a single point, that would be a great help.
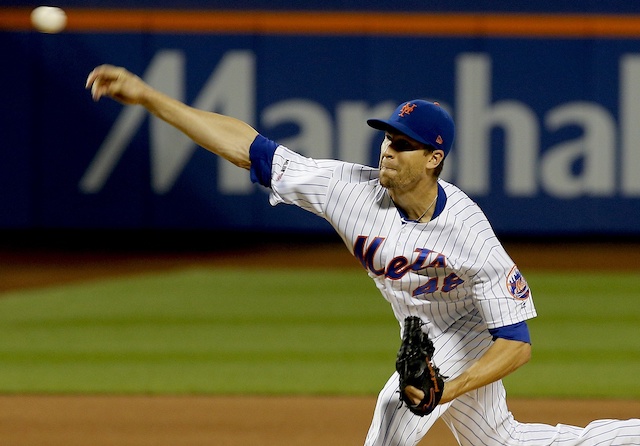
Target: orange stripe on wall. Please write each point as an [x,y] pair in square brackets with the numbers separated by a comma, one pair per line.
[338,23]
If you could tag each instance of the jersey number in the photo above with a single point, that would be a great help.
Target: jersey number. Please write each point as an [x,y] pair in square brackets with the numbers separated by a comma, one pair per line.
[450,282]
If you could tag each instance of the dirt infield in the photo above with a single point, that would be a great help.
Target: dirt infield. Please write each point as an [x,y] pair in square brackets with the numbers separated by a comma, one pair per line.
[233,421]
[30,420]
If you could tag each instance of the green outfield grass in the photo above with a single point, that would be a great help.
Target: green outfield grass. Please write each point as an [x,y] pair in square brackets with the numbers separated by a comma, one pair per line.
[586,338]
[231,331]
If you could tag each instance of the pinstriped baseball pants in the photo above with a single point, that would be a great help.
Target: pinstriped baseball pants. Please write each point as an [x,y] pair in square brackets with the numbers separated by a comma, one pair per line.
[481,418]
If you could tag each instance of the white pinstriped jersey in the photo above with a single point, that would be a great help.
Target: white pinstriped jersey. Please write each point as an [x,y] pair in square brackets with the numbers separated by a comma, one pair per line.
[445,271]
[453,273]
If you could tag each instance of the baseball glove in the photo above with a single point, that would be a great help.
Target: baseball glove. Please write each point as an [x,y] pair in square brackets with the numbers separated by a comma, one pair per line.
[415,367]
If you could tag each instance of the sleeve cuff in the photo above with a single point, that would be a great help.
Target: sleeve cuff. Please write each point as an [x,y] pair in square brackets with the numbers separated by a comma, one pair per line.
[515,332]
[261,155]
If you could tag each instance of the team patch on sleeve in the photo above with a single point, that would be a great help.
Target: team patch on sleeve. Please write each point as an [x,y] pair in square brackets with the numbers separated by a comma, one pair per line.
[517,285]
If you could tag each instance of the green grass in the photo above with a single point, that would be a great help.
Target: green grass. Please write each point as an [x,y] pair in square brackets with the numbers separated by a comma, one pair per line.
[200,331]
[231,331]
[586,338]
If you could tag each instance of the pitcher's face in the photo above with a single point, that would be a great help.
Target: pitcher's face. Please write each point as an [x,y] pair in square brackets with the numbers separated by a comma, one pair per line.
[403,162]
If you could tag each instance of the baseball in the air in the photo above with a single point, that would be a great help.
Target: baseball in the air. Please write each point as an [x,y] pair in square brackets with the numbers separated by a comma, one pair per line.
[48,19]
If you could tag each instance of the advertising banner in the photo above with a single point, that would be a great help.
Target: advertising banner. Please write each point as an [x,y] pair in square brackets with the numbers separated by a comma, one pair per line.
[547,114]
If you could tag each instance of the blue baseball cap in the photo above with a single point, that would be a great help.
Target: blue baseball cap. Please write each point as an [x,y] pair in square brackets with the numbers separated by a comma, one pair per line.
[426,122]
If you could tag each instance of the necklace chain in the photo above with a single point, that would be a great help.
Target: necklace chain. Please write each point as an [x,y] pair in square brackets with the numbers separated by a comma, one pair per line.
[427,210]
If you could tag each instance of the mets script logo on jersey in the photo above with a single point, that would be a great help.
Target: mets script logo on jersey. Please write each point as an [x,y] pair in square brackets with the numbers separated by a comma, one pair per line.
[399,266]
[517,285]
[406,109]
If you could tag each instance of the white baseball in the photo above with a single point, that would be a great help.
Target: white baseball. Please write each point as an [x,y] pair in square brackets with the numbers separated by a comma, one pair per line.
[48,19]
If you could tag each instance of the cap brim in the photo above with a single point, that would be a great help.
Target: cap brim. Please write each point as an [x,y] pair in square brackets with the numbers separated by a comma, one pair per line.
[380,124]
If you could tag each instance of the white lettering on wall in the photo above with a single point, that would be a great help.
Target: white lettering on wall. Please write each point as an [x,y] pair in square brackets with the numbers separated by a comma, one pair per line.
[315,126]
[629,94]
[595,149]
[229,90]
[476,116]
[600,162]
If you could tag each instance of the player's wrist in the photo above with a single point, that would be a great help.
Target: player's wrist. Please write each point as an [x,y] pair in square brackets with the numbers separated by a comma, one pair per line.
[454,388]
[147,96]
[449,393]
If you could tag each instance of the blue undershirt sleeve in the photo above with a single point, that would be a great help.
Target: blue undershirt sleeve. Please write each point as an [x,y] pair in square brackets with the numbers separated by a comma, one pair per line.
[261,156]
[515,332]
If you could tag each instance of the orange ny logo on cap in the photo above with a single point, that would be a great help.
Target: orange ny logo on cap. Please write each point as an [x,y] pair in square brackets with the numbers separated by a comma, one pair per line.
[406,109]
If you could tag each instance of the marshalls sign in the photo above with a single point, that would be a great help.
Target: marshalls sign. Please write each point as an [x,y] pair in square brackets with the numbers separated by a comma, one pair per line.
[547,137]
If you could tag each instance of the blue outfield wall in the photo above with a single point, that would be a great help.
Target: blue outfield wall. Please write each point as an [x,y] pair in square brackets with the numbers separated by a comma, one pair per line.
[548,128]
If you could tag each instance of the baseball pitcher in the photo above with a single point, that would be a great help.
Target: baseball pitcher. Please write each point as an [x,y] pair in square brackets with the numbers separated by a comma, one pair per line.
[461,303]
